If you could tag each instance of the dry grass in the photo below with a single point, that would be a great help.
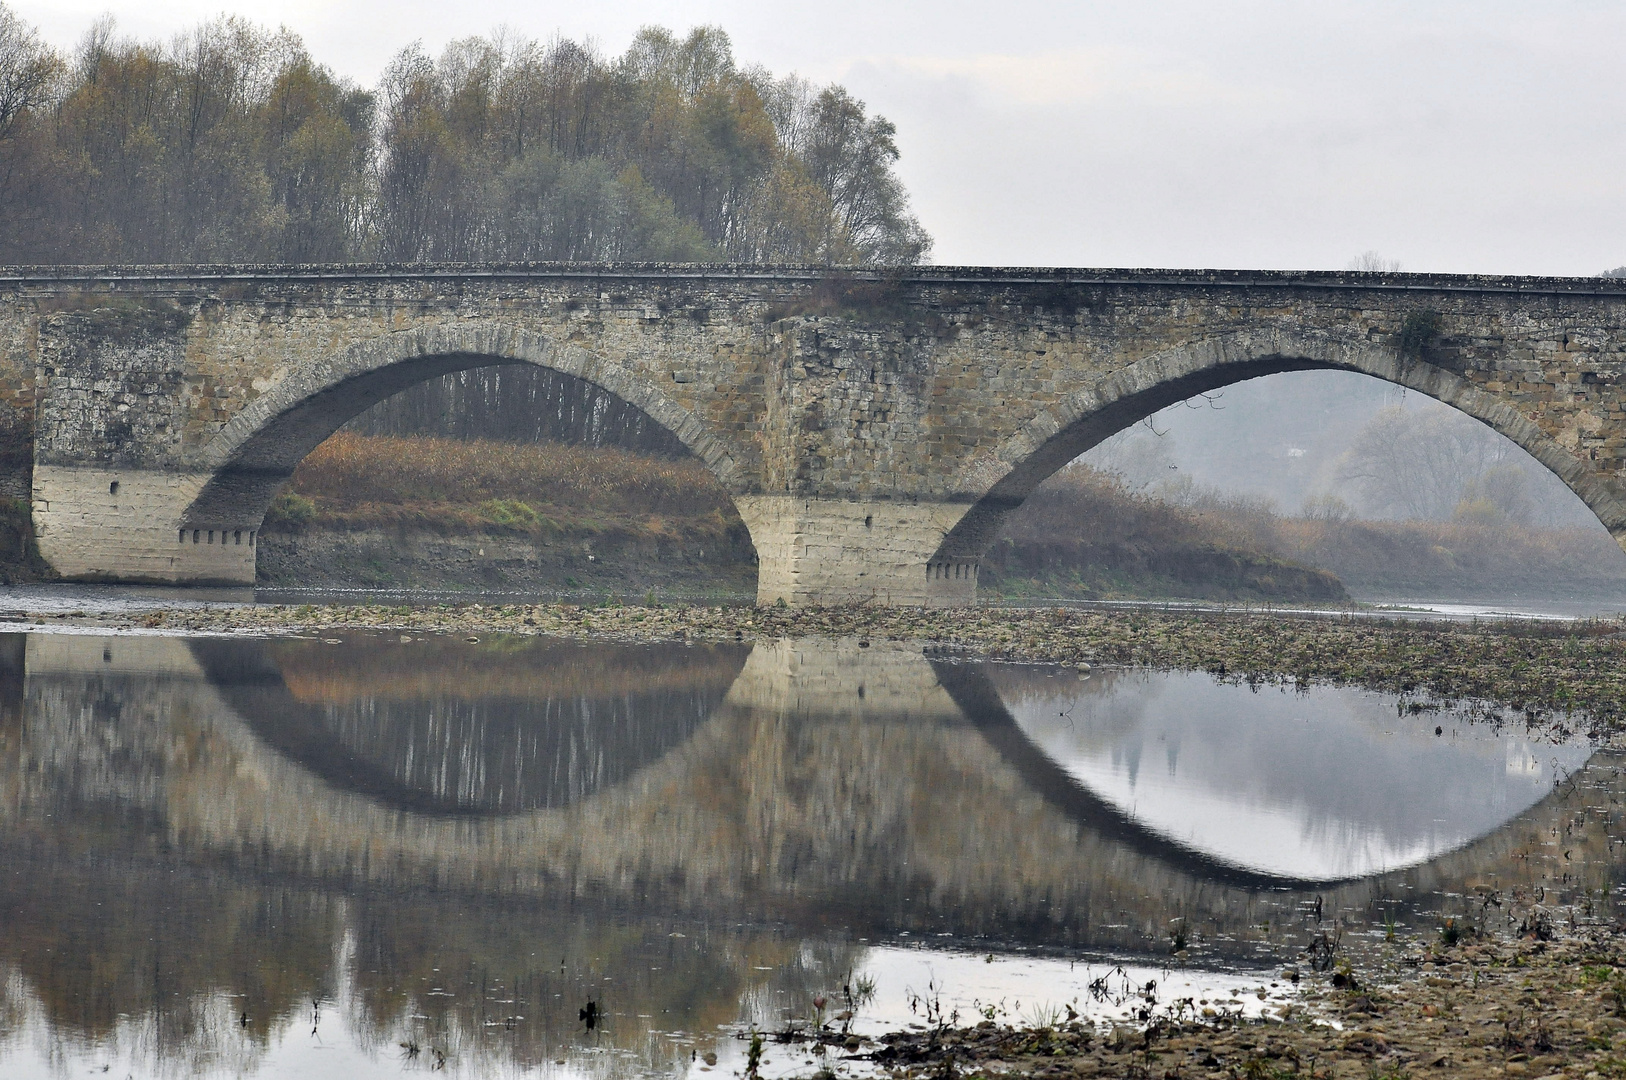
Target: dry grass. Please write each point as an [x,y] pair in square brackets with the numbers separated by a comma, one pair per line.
[1468,556]
[1081,505]
[1081,534]
[350,470]
[1080,531]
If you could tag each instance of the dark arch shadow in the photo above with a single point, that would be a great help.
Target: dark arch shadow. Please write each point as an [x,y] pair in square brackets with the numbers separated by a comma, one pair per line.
[470,752]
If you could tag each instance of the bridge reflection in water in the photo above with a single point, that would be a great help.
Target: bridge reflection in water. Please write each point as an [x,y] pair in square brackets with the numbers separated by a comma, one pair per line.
[202,836]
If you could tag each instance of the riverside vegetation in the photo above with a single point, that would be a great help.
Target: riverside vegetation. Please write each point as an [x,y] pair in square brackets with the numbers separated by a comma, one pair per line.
[384,510]
[378,510]
[231,143]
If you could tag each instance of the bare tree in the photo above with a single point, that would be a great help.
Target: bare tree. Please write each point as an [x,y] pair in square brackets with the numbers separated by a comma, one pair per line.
[1326,507]
[1370,262]
[1417,462]
[27,69]
[1139,457]
[231,143]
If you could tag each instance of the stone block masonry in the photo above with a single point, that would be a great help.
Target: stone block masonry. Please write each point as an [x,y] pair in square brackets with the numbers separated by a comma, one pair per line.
[849,551]
[76,510]
[873,428]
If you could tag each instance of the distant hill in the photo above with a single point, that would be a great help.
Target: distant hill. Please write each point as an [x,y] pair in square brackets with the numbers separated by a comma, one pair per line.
[1084,533]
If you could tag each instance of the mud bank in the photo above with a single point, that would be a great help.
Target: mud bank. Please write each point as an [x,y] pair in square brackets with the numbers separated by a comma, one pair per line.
[1541,1004]
[382,558]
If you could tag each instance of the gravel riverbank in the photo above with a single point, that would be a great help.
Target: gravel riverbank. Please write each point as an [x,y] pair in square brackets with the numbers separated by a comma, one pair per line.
[1540,1004]
[1567,676]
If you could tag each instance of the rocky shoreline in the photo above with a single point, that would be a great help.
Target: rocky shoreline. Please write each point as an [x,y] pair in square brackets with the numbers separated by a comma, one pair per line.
[1539,1004]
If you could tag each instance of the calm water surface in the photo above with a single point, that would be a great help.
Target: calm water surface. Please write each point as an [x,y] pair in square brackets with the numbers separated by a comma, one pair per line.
[372,854]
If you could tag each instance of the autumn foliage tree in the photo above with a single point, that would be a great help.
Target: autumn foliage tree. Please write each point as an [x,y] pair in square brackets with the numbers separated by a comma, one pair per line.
[231,143]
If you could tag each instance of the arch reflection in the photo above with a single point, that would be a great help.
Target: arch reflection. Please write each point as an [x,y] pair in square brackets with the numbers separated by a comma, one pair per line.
[1262,786]
[438,725]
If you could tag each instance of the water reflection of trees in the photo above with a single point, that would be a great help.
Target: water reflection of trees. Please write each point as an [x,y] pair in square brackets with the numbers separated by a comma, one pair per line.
[187,965]
[98,938]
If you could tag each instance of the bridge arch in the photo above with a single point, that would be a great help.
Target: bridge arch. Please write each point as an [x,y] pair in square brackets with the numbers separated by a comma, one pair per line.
[259,448]
[1058,435]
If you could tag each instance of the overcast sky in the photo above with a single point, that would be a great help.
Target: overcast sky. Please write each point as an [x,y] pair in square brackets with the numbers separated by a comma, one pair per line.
[1484,137]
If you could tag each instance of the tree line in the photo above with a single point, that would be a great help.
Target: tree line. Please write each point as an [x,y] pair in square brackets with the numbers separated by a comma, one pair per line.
[518,403]
[230,143]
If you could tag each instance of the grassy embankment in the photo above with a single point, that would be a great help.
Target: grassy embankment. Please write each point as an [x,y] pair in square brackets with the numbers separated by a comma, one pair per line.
[378,511]
[1082,534]
[1465,559]
[355,503]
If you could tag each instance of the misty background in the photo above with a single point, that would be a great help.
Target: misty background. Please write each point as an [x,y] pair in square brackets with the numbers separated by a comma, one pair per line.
[1338,443]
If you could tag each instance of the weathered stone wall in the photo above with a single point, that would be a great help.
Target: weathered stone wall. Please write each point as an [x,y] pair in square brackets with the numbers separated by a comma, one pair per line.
[874,429]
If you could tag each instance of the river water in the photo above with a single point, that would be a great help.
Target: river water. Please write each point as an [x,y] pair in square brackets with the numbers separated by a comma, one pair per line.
[373,853]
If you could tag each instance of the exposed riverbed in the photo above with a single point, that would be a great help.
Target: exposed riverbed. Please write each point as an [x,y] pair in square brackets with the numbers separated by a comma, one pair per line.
[1569,675]
[355,840]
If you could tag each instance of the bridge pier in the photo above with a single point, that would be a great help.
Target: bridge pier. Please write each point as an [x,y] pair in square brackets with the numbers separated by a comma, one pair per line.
[841,551]
[111,524]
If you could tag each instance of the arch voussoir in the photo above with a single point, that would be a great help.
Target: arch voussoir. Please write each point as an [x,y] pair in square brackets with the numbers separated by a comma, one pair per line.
[457,347]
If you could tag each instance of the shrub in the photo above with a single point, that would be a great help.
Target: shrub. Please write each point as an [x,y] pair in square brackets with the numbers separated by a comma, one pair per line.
[290,508]
[1418,329]
[509,513]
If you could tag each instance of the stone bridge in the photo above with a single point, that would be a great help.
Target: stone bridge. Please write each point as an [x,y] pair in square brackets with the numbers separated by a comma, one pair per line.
[873,428]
